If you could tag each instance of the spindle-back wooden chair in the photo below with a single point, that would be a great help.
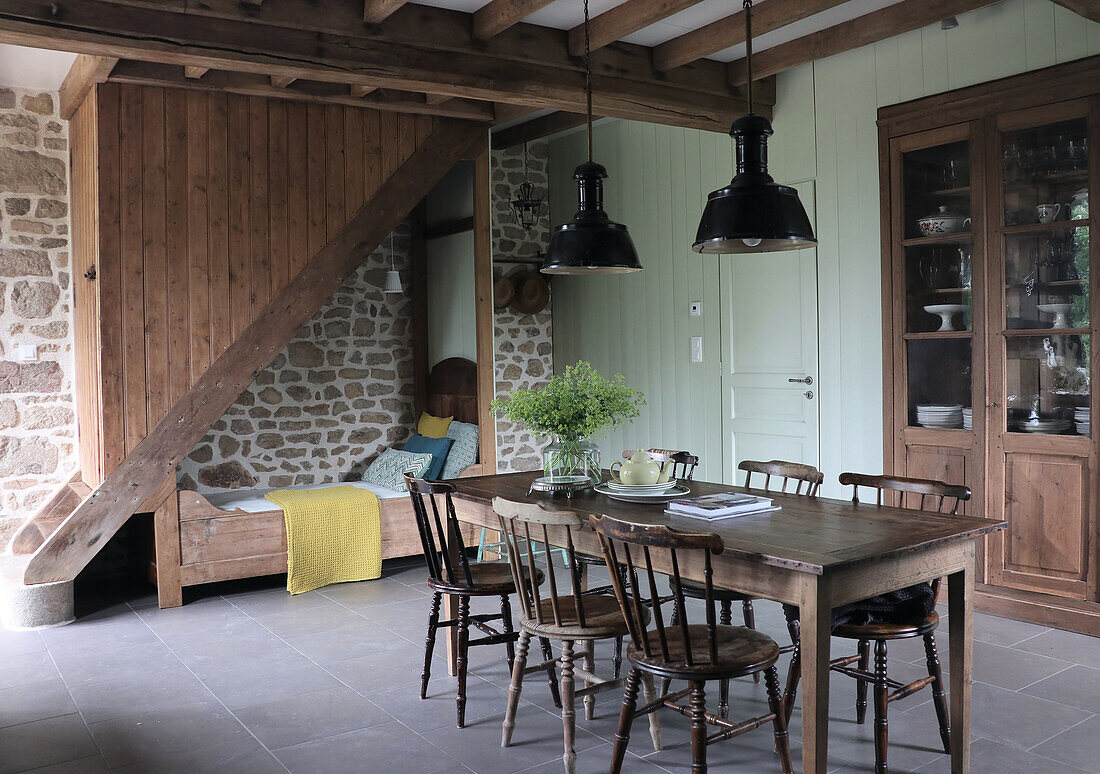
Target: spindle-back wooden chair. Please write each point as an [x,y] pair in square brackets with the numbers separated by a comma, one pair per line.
[695,652]
[563,612]
[451,572]
[918,494]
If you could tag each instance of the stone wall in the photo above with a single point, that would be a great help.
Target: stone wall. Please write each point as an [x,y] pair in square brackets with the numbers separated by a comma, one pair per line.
[37,421]
[524,351]
[330,401]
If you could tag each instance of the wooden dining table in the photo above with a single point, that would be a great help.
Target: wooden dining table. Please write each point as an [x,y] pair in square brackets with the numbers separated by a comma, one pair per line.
[814,552]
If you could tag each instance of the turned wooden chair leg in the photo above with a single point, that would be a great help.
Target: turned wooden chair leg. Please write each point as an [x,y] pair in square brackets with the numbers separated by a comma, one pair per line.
[779,723]
[861,685]
[626,718]
[506,624]
[463,648]
[589,664]
[568,708]
[650,694]
[698,704]
[667,681]
[515,687]
[551,673]
[882,693]
[617,660]
[429,643]
[794,672]
[939,698]
[750,623]
[725,618]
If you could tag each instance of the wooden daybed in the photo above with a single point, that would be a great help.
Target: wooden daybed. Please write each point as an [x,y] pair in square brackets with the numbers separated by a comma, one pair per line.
[233,535]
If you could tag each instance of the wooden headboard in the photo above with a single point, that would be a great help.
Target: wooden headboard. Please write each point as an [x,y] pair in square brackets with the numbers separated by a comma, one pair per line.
[452,389]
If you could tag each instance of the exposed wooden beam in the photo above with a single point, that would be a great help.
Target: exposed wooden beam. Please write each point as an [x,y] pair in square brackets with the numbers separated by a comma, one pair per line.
[377,11]
[282,81]
[536,128]
[105,28]
[496,16]
[195,72]
[893,20]
[252,84]
[86,530]
[362,91]
[1090,9]
[622,20]
[85,72]
[435,99]
[730,30]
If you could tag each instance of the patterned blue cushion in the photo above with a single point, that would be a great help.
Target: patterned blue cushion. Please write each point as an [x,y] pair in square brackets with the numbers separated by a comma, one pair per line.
[437,447]
[463,453]
[391,466]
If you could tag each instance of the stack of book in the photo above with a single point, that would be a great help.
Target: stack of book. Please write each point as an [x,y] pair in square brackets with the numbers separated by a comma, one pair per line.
[721,506]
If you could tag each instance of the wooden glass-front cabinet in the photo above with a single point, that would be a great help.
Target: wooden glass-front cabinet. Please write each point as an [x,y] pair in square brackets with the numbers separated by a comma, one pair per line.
[989,316]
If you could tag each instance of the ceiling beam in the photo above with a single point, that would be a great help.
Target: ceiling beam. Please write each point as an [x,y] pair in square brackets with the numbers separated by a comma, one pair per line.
[86,72]
[361,91]
[195,71]
[158,35]
[893,20]
[1089,9]
[496,16]
[536,128]
[622,20]
[730,31]
[435,99]
[377,11]
[256,85]
[282,81]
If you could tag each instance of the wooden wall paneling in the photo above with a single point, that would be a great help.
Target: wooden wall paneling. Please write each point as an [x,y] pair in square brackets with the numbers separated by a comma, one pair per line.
[372,151]
[318,234]
[406,127]
[154,241]
[133,270]
[334,168]
[177,242]
[108,282]
[240,269]
[198,234]
[278,197]
[354,190]
[218,217]
[297,188]
[259,204]
[388,139]
[424,126]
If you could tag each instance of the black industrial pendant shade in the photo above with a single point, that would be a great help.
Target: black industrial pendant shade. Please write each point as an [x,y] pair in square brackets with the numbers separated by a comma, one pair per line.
[753,214]
[591,243]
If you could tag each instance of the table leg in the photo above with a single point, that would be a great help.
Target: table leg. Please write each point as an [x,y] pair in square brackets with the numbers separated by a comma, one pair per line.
[815,621]
[960,621]
[450,613]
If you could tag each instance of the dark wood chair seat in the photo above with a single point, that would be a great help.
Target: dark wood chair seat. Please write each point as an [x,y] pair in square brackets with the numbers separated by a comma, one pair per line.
[602,619]
[698,591]
[741,651]
[888,631]
[490,579]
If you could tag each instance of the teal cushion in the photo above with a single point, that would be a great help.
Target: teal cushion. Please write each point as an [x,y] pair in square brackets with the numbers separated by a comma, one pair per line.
[463,453]
[391,466]
[437,447]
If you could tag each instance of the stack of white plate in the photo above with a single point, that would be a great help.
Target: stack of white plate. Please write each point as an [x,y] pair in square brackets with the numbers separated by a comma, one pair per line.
[616,486]
[1082,416]
[968,419]
[1046,426]
[934,415]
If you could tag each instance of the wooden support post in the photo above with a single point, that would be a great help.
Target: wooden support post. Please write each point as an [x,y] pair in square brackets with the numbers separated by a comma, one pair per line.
[85,73]
[166,526]
[483,292]
[418,307]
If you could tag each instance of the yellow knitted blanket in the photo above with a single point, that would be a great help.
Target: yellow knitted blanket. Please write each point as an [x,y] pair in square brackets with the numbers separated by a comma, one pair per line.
[333,535]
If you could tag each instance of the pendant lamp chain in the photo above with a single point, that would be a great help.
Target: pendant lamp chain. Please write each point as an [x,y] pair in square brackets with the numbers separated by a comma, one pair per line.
[588,78]
[748,47]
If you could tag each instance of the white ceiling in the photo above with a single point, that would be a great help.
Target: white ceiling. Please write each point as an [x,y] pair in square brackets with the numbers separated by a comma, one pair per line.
[33,68]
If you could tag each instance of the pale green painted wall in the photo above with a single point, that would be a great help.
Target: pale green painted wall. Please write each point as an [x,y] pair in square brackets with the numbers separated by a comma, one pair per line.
[825,131]
[451,318]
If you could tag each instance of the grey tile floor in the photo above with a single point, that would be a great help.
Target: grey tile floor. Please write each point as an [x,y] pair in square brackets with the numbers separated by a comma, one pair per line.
[246,679]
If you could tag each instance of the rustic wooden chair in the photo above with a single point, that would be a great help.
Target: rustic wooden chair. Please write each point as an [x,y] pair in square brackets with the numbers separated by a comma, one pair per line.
[922,494]
[696,653]
[565,614]
[787,477]
[451,572]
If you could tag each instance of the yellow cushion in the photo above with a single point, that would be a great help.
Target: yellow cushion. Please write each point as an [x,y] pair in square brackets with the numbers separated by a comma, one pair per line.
[433,427]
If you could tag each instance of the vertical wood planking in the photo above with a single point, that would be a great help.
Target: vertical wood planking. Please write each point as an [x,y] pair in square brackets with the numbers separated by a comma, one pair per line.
[258,204]
[354,191]
[217,199]
[154,238]
[278,194]
[297,187]
[112,431]
[133,272]
[176,248]
[372,152]
[334,168]
[198,227]
[406,128]
[388,141]
[318,234]
[240,269]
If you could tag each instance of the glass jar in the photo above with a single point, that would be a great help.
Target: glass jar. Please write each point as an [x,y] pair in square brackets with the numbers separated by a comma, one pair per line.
[571,460]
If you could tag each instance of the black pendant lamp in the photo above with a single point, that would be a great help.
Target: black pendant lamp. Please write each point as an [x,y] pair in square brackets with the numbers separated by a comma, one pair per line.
[591,243]
[753,214]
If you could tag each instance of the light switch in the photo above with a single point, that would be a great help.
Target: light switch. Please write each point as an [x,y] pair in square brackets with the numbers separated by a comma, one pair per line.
[27,353]
[696,309]
[697,349]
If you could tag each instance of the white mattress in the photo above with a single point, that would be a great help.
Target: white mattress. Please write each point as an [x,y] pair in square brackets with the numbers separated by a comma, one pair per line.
[252,500]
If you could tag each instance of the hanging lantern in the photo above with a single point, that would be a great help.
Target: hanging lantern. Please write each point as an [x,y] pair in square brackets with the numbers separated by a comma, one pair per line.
[526,207]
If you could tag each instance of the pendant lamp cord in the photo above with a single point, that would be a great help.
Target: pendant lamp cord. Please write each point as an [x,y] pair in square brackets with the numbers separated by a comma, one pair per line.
[588,78]
[748,47]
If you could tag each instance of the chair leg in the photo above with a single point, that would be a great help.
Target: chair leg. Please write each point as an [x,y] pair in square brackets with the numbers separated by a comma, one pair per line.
[589,663]
[650,694]
[568,708]
[429,643]
[506,622]
[882,692]
[551,675]
[617,660]
[750,623]
[698,704]
[861,685]
[514,689]
[673,622]
[938,696]
[626,718]
[775,704]
[463,648]
[794,672]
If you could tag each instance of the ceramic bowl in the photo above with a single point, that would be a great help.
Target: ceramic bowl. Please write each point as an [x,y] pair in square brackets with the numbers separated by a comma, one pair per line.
[943,222]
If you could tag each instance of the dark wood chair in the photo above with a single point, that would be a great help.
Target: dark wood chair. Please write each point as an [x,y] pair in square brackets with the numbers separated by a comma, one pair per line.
[920,494]
[451,572]
[565,614]
[695,652]
[790,478]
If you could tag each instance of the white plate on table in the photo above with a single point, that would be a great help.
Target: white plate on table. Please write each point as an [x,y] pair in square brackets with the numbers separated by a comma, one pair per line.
[640,488]
[679,490]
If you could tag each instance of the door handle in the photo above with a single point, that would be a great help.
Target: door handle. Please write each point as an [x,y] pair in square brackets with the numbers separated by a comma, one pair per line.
[807,380]
[809,394]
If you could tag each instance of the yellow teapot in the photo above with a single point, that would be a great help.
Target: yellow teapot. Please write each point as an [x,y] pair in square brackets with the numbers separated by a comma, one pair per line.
[640,470]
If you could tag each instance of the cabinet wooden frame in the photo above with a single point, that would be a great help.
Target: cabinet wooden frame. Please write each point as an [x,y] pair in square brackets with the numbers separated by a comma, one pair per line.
[992,455]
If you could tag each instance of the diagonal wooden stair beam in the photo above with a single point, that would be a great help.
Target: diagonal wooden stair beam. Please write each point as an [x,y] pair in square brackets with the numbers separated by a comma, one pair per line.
[85,531]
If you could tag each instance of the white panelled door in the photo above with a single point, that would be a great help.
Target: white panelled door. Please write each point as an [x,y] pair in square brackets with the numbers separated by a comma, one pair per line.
[769,344]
